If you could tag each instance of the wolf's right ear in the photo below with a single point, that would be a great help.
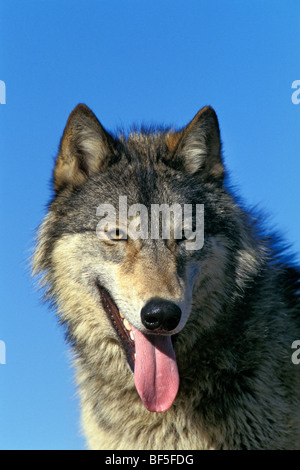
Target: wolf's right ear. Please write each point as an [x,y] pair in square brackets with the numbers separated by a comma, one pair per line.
[85,148]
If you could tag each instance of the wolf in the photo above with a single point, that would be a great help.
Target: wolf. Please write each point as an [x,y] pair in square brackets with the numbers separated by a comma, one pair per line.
[174,348]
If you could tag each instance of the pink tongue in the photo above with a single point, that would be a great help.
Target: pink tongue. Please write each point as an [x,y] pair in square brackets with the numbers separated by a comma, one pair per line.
[155,372]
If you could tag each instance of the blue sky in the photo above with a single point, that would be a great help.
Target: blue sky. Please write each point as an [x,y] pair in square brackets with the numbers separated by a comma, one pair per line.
[130,61]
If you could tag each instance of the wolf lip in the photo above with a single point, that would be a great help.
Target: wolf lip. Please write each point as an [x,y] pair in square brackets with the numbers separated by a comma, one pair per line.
[121,326]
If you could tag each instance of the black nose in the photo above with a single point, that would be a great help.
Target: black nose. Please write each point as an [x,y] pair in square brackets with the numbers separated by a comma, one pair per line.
[159,314]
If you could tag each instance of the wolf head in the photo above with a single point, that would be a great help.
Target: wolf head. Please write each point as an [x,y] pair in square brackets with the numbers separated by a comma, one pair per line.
[115,289]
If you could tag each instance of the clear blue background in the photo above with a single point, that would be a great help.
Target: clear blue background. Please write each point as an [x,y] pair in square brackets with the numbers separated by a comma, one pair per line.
[153,61]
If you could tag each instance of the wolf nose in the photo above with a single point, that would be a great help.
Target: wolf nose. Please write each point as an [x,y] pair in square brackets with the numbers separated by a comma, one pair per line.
[159,314]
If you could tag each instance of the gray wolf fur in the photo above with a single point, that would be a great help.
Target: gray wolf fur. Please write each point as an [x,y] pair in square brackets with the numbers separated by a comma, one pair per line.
[236,299]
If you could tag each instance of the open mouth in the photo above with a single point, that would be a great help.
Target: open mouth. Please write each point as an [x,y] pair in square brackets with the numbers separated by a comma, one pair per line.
[151,358]
[120,324]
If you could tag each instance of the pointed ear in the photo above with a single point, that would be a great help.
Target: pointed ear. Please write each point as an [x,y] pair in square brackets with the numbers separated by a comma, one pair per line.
[197,148]
[85,148]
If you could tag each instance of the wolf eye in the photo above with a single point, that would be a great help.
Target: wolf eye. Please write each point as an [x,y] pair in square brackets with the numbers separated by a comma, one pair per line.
[183,237]
[116,235]
[186,235]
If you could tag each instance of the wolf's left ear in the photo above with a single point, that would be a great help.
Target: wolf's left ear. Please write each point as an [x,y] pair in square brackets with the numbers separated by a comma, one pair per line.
[197,148]
[85,148]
